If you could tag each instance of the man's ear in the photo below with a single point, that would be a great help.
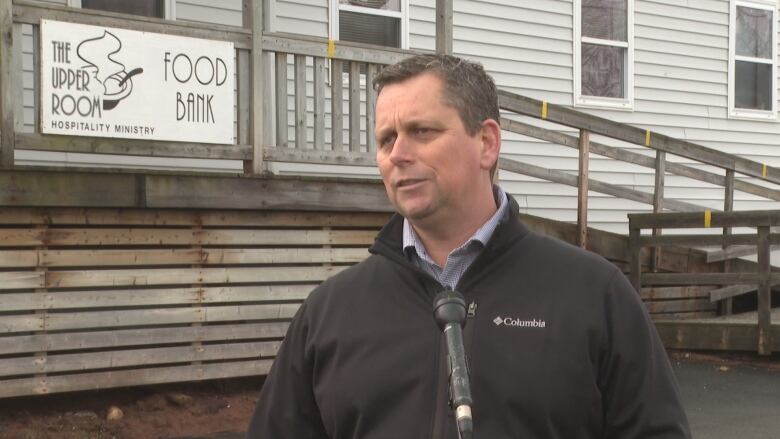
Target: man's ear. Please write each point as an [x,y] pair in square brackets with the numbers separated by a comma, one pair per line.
[491,144]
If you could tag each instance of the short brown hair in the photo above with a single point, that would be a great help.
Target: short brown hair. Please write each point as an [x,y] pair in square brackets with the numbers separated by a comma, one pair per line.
[467,87]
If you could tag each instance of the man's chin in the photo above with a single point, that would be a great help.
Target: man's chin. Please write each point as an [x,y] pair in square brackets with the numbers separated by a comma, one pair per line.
[414,213]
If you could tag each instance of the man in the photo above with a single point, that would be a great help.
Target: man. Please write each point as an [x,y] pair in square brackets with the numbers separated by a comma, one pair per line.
[559,345]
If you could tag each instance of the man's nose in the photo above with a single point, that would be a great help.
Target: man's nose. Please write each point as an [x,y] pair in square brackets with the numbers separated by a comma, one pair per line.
[403,151]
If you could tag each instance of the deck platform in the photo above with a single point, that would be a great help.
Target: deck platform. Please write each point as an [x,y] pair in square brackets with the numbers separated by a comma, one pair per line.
[738,332]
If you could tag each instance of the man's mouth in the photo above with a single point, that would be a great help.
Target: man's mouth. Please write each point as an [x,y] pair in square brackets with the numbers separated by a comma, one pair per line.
[408,183]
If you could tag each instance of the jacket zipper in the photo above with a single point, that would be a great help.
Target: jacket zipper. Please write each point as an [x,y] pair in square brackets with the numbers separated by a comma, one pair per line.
[468,342]
[472,311]
[442,413]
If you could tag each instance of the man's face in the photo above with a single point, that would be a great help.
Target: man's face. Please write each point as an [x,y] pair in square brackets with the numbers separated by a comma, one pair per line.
[430,165]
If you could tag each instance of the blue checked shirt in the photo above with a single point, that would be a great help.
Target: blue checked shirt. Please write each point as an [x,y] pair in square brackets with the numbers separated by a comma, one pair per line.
[459,259]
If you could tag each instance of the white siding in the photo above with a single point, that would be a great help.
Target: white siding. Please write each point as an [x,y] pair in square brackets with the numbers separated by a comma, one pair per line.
[681,86]
[306,17]
[227,12]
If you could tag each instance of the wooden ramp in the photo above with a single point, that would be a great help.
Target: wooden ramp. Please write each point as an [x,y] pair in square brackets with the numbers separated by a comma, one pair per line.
[685,316]
[737,332]
[743,332]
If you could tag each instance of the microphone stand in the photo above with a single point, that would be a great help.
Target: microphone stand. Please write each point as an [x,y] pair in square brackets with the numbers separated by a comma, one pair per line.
[449,310]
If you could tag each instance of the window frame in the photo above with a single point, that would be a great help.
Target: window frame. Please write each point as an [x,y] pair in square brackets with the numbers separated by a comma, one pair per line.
[169,8]
[580,100]
[333,23]
[748,113]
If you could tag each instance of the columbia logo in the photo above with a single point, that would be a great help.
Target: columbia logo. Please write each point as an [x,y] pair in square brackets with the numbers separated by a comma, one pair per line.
[509,321]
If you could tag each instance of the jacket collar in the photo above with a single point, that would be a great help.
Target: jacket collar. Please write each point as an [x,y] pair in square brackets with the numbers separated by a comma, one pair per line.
[389,241]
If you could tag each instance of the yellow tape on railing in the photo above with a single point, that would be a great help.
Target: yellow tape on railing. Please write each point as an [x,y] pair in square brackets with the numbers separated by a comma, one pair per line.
[763,171]
[707,219]
[544,109]
[647,138]
[331,48]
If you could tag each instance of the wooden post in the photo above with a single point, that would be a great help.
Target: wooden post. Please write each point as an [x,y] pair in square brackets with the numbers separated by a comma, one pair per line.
[36,41]
[727,305]
[337,105]
[319,103]
[197,345]
[354,106]
[764,293]
[635,264]
[582,190]
[244,96]
[256,22]
[40,356]
[658,203]
[16,75]
[444,26]
[300,101]
[371,71]
[7,85]
[281,100]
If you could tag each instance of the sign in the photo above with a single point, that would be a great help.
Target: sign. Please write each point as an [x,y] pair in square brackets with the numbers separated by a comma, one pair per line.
[107,82]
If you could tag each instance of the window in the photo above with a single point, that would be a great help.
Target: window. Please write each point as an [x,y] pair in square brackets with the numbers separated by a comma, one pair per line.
[753,59]
[146,8]
[379,22]
[604,53]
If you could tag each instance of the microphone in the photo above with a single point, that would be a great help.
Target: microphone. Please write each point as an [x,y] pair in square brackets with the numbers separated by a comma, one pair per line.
[449,310]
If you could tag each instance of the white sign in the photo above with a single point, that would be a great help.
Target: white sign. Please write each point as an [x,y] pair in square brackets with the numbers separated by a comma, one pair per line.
[106,82]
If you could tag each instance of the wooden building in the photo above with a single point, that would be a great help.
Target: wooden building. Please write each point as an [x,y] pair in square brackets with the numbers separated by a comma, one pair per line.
[144,255]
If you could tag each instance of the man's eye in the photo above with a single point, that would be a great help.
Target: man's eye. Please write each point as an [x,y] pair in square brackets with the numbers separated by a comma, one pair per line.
[424,133]
[387,141]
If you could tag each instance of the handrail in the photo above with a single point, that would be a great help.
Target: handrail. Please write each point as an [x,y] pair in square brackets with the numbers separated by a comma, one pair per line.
[635,158]
[593,185]
[599,125]
[340,50]
[678,220]
[587,124]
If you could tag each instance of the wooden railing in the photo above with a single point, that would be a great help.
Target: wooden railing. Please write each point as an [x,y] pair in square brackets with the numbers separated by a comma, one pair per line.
[313,146]
[341,72]
[662,144]
[738,283]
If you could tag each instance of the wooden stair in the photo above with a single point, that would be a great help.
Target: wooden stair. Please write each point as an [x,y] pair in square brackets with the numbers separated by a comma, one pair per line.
[684,315]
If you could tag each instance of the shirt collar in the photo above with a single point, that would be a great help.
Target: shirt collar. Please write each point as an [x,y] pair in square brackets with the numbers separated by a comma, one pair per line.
[411,242]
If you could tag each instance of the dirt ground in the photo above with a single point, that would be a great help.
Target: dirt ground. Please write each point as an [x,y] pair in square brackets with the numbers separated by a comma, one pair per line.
[170,411]
[190,410]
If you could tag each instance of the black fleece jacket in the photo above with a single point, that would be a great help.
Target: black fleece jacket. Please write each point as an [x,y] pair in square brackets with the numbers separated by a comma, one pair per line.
[559,346]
